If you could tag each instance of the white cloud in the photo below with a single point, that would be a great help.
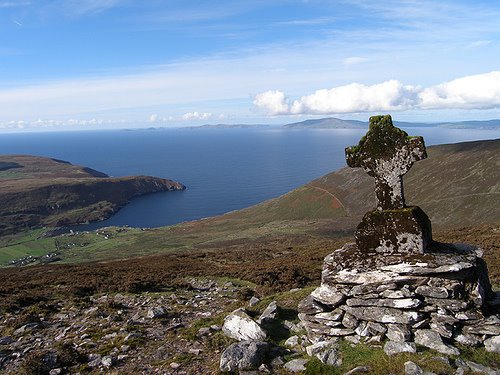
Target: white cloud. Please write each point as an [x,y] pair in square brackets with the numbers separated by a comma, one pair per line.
[153,118]
[481,91]
[197,116]
[273,102]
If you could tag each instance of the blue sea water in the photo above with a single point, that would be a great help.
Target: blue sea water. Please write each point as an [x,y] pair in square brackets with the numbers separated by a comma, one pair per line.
[223,169]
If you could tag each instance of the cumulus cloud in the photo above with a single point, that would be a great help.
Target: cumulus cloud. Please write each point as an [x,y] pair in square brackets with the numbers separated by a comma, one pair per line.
[481,91]
[153,118]
[197,116]
[273,102]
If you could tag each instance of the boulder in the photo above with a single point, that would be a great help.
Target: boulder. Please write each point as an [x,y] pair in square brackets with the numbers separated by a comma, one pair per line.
[326,351]
[270,314]
[244,355]
[398,332]
[492,344]
[432,340]
[392,347]
[240,326]
[296,365]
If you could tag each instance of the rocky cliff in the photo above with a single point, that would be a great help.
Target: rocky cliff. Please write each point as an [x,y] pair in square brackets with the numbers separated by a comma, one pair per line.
[45,191]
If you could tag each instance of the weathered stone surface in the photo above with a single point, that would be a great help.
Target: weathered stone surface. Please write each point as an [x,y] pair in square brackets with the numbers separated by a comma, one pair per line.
[469,340]
[269,314]
[326,351]
[292,341]
[156,312]
[406,230]
[358,370]
[244,355]
[296,365]
[309,306]
[411,368]
[431,291]
[398,332]
[340,332]
[386,153]
[384,314]
[492,344]
[350,321]
[404,303]
[432,340]
[423,268]
[401,293]
[476,367]
[448,304]
[240,326]
[328,296]
[445,330]
[392,347]
[370,329]
[318,318]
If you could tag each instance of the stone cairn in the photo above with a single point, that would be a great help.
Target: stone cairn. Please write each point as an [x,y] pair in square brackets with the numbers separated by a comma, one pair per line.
[395,282]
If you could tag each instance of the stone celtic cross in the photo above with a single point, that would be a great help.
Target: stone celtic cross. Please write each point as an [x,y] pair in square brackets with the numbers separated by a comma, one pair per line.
[386,153]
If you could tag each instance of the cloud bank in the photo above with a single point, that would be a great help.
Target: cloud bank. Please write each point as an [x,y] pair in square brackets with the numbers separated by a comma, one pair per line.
[481,91]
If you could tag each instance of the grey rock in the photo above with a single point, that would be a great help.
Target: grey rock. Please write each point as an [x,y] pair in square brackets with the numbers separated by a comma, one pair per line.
[468,339]
[350,321]
[340,332]
[432,291]
[398,332]
[270,314]
[401,293]
[240,326]
[94,360]
[326,351]
[253,301]
[476,367]
[156,312]
[55,371]
[384,314]
[328,296]
[244,355]
[293,327]
[482,329]
[107,361]
[444,329]
[411,368]
[309,306]
[432,340]
[296,365]
[392,347]
[492,344]
[370,329]
[403,303]
[358,370]
[292,341]
[6,340]
[448,304]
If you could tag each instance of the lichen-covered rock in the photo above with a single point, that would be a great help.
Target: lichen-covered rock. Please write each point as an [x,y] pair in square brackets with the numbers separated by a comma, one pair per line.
[326,351]
[392,347]
[398,332]
[240,326]
[492,344]
[432,340]
[244,355]
[386,153]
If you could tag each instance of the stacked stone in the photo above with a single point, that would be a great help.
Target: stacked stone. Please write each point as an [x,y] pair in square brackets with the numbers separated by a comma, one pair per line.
[396,282]
[432,299]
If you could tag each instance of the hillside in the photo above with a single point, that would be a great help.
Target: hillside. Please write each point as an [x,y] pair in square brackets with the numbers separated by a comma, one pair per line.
[43,191]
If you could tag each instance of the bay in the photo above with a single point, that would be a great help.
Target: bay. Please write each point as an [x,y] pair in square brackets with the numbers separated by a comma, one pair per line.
[223,169]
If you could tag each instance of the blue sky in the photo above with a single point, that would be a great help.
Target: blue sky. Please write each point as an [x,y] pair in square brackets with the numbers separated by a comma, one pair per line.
[117,63]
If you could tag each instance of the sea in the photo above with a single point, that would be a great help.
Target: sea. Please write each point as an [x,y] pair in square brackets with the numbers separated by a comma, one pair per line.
[223,169]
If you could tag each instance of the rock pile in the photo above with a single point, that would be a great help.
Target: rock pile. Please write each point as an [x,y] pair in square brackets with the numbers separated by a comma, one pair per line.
[395,282]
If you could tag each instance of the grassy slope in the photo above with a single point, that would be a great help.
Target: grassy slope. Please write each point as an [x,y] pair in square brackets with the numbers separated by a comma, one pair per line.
[44,191]
[453,178]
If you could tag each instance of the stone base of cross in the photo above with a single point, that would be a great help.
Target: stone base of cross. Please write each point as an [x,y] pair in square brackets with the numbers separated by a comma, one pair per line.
[387,153]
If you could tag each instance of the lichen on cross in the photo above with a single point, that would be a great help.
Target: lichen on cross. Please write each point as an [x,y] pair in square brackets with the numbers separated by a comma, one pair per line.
[386,153]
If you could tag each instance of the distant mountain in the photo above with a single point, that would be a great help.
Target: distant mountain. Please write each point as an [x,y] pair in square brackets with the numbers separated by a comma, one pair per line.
[336,123]
[327,123]
[486,124]
[228,126]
